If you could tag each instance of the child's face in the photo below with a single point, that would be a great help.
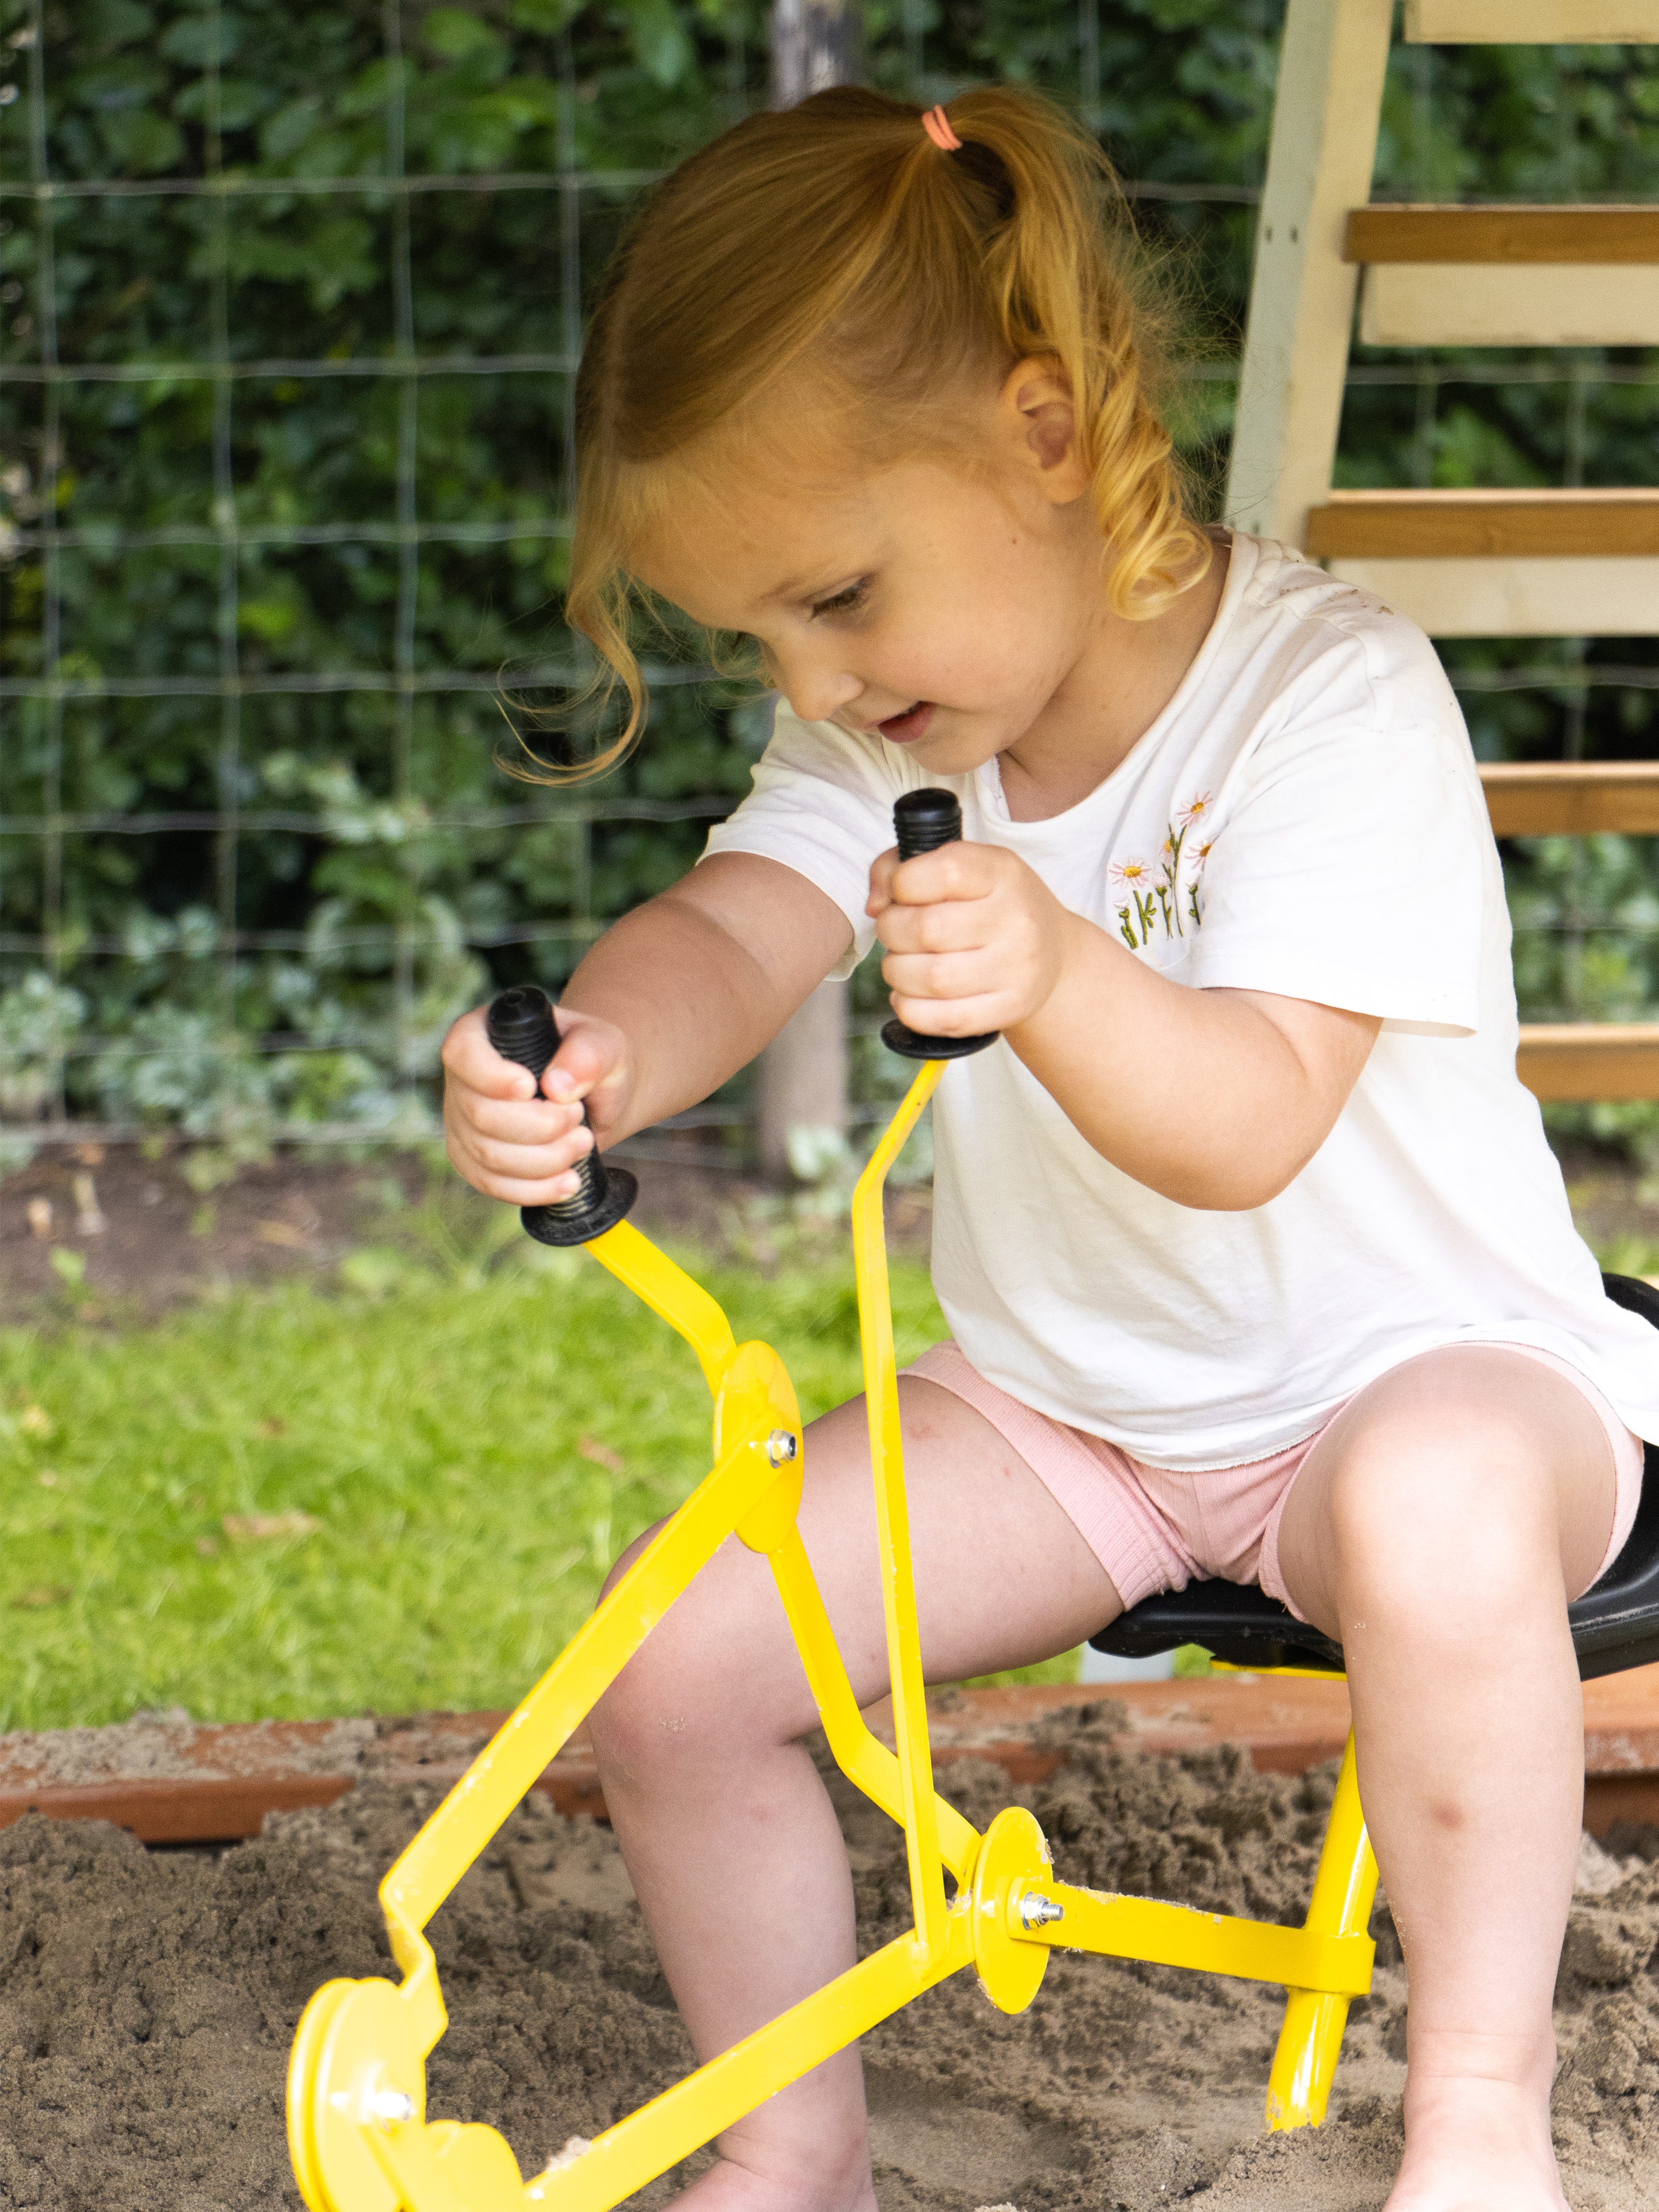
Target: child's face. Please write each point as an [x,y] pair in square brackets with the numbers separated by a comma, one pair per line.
[947,612]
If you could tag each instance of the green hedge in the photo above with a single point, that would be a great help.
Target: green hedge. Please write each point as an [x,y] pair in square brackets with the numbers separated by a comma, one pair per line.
[370,900]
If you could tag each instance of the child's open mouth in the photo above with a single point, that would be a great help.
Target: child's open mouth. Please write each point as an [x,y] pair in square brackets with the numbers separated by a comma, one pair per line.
[903,729]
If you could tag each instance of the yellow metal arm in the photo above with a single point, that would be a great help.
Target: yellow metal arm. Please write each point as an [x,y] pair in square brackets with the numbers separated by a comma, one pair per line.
[898,1589]
[498,1778]
[861,1757]
[670,1294]
[357,2129]
[1209,1943]
[1344,1889]
[360,2140]
[1022,1913]
[661,2133]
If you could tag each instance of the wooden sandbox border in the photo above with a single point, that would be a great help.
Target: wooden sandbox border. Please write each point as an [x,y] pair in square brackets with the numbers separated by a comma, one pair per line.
[245,1771]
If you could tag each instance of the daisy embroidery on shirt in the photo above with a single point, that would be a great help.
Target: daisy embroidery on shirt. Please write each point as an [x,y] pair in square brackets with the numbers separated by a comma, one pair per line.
[1200,855]
[1137,878]
[1157,897]
[1167,891]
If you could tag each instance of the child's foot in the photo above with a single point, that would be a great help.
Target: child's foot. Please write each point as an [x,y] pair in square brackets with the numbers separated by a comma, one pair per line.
[1476,2146]
[730,2187]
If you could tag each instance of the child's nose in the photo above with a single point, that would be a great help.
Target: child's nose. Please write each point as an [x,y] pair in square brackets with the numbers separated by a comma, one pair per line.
[818,691]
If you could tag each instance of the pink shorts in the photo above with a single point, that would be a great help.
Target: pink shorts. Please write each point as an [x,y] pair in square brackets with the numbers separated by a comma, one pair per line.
[1155,1530]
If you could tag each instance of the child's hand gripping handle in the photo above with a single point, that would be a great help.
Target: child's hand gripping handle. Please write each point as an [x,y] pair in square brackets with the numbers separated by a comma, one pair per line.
[521,1028]
[923,821]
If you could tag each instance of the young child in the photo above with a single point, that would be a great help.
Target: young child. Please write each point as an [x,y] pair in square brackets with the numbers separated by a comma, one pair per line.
[1255,1260]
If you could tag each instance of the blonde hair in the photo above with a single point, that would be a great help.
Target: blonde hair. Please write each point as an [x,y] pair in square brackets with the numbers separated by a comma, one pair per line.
[838,237]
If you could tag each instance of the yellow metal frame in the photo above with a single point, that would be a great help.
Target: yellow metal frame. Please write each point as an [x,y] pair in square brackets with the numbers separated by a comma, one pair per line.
[358,2133]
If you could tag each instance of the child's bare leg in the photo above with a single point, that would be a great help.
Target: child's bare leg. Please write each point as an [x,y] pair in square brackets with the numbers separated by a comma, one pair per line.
[728,1836]
[1438,1527]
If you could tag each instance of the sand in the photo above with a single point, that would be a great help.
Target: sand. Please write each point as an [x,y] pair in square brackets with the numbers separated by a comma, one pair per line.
[148,1999]
[165,1746]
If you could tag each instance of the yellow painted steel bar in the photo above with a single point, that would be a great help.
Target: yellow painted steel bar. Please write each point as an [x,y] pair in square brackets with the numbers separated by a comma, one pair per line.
[670,1294]
[408,2157]
[648,2142]
[898,1591]
[1344,1889]
[755,1489]
[469,1816]
[862,1758]
[1208,1942]
[429,1868]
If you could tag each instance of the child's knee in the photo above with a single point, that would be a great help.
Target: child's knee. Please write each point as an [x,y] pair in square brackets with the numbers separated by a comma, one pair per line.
[1459,1519]
[656,1714]
[704,1687]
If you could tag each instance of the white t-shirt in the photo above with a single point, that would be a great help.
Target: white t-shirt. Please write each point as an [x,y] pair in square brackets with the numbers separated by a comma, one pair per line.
[1303,818]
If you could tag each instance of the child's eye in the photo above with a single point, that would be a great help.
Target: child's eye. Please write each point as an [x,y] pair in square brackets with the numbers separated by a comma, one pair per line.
[844,603]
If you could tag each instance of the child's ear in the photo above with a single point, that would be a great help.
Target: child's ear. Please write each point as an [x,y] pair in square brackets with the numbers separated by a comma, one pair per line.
[1037,411]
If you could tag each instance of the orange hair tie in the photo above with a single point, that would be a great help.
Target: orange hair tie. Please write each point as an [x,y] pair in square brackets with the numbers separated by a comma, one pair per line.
[937,123]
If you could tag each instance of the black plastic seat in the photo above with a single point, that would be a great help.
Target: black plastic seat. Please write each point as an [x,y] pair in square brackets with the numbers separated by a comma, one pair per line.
[1614,1626]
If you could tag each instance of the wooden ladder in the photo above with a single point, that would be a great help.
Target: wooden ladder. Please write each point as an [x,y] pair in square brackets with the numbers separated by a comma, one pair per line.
[1461,563]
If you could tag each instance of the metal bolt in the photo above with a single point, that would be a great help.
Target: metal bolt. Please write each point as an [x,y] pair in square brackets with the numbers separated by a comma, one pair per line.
[780,1446]
[389,2105]
[1036,1912]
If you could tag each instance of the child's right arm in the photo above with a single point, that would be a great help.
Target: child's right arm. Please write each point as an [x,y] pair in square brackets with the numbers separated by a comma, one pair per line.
[671,1001]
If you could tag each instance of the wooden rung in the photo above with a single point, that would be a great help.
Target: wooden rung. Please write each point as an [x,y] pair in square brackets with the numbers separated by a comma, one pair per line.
[1484,524]
[1571,799]
[1529,597]
[1588,1060]
[1579,234]
[1497,303]
[1532,22]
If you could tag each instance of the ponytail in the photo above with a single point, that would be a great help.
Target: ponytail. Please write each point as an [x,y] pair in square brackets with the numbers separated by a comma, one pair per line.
[840,238]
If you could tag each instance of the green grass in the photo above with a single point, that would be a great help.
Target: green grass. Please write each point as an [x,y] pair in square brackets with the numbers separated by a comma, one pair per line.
[429,1417]
[429,1420]
[1629,1254]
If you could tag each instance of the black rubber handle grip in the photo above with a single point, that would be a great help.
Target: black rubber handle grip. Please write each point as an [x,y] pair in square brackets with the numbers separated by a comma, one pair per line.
[521,1027]
[925,820]
[922,822]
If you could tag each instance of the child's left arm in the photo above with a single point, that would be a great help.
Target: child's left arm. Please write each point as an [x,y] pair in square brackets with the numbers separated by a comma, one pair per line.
[1214,1098]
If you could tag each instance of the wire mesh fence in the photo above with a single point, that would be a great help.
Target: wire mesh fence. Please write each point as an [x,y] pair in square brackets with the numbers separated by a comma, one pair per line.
[290,304]
[293,718]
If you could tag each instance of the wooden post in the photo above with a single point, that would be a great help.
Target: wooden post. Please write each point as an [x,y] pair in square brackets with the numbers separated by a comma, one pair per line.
[1296,356]
[801,1076]
[814,45]
[800,1079]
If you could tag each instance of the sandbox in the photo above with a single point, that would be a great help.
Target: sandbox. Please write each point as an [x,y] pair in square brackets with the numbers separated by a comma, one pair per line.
[148,1999]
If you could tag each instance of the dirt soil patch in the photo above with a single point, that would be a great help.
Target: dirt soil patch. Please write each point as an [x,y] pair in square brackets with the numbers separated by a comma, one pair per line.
[162,1242]
[148,2000]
